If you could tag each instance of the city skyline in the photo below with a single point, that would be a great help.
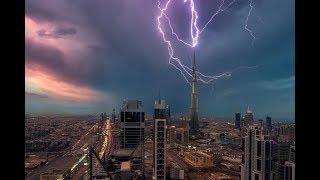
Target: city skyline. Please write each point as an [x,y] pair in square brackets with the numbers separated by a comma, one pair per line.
[76,64]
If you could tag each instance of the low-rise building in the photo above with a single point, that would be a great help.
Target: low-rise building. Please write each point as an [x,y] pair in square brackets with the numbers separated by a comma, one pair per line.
[198,159]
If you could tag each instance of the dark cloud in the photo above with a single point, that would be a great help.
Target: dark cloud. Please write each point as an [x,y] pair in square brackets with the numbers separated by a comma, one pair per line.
[48,56]
[34,95]
[57,33]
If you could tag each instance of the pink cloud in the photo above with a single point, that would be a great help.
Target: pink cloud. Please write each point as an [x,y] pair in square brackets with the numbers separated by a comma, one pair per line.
[41,81]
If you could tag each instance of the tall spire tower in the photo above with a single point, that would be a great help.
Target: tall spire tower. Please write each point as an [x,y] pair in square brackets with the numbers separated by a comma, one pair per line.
[194,122]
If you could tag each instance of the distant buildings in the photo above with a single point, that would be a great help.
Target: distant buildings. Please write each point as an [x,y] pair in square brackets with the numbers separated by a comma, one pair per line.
[238,121]
[171,135]
[175,171]
[256,157]
[248,118]
[198,159]
[54,174]
[103,116]
[160,116]
[182,135]
[260,123]
[178,134]
[285,132]
[281,152]
[268,123]
[168,114]
[113,116]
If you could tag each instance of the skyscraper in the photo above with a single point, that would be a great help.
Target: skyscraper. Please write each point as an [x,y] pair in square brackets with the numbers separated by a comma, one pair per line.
[113,116]
[256,157]
[248,118]
[289,166]
[237,121]
[159,139]
[194,121]
[260,123]
[168,114]
[268,123]
[281,153]
[132,124]
[289,171]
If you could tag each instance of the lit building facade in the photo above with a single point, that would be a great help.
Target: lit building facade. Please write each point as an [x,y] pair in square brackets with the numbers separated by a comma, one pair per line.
[198,159]
[248,118]
[132,124]
[256,157]
[237,121]
[171,135]
[159,139]
[281,152]
[182,135]
[289,166]
[289,170]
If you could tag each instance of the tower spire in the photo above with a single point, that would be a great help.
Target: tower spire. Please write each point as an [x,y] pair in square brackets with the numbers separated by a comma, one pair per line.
[159,97]
[194,74]
[194,123]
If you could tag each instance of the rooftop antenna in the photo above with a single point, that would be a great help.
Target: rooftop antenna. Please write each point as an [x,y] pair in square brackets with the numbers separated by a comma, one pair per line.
[159,97]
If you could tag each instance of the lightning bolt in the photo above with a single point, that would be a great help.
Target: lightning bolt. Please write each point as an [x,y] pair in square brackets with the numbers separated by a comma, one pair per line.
[246,22]
[220,10]
[195,32]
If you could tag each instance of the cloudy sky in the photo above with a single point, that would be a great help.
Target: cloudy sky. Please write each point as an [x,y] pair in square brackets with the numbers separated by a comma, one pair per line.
[88,56]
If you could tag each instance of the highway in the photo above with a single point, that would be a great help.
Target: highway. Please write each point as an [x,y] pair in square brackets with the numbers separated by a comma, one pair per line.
[75,156]
[102,148]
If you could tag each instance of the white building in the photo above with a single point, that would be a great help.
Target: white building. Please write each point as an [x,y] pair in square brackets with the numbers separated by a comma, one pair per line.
[256,157]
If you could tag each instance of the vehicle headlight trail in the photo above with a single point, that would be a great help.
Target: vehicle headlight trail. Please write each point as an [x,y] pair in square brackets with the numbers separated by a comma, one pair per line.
[163,19]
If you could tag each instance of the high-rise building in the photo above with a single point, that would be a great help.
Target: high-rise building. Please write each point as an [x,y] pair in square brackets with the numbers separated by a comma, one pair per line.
[238,121]
[132,127]
[182,135]
[292,156]
[194,121]
[289,166]
[260,122]
[171,135]
[289,171]
[281,152]
[256,157]
[103,116]
[268,123]
[113,116]
[285,132]
[248,118]
[132,124]
[168,114]
[159,139]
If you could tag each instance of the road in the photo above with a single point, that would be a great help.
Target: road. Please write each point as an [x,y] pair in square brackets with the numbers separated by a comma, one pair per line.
[103,148]
[67,160]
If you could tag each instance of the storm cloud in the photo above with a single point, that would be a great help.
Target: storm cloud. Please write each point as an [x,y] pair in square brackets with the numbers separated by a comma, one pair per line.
[114,47]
